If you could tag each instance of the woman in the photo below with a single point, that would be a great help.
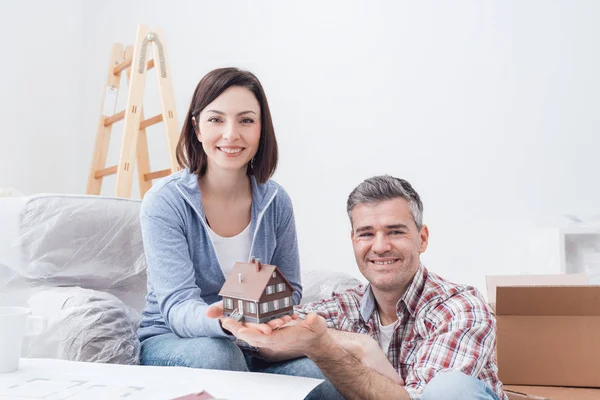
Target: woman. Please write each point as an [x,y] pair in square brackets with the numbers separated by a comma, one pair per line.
[220,209]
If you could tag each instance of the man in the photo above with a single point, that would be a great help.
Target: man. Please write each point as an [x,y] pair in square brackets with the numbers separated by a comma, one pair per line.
[408,334]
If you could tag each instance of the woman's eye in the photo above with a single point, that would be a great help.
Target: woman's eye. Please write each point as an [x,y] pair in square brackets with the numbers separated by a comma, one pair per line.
[214,119]
[247,121]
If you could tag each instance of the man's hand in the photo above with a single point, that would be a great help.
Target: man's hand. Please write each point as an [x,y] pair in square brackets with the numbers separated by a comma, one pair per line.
[216,311]
[295,336]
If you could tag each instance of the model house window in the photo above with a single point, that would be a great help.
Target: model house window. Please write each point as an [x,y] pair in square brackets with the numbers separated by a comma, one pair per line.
[275,304]
[228,303]
[251,308]
[270,289]
[264,307]
[280,287]
[286,301]
[274,274]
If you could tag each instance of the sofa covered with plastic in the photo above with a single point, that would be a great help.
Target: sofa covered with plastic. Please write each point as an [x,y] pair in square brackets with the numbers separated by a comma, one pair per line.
[79,262]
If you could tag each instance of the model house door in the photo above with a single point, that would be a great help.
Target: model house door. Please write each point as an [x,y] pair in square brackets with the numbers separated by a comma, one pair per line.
[241,307]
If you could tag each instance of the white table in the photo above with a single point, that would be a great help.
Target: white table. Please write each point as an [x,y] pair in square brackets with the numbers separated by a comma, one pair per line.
[57,380]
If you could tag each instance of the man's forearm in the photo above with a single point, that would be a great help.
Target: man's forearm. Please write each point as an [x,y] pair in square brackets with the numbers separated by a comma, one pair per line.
[350,376]
[367,350]
[352,342]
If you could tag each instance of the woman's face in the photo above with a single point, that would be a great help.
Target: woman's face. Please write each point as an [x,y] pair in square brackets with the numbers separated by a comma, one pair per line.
[229,129]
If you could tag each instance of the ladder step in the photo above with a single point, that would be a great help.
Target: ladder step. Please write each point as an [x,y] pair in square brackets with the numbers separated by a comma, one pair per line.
[108,121]
[120,67]
[127,63]
[151,121]
[106,171]
[157,174]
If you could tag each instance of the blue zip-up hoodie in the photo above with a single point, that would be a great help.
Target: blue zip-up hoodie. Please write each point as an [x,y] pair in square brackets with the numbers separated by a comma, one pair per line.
[184,275]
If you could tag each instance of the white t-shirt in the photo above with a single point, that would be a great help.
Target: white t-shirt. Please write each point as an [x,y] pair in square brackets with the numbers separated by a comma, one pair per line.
[385,335]
[231,249]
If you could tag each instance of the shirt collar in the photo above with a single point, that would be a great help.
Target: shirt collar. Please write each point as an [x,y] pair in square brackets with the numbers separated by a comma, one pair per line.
[368,304]
[410,298]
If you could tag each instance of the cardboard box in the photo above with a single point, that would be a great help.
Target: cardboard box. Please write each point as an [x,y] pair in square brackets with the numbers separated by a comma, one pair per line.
[550,393]
[548,335]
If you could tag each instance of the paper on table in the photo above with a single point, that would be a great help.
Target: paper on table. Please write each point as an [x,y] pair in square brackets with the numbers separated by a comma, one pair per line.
[54,389]
[59,379]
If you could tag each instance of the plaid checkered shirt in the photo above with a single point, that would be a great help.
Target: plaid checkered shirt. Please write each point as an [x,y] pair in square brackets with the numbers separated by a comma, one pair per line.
[441,327]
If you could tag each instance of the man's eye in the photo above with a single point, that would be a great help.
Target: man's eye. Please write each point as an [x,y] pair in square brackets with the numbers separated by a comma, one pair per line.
[365,235]
[247,121]
[396,232]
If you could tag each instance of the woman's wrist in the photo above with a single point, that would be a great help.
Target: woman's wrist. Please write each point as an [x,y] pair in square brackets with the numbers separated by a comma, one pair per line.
[224,330]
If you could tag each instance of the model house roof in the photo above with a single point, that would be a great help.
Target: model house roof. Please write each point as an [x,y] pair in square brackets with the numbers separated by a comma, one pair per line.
[248,281]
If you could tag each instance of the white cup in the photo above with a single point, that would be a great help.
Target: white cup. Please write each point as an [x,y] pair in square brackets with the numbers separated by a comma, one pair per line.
[15,324]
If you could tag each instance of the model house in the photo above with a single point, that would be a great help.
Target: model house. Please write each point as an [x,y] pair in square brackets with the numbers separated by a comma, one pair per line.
[256,292]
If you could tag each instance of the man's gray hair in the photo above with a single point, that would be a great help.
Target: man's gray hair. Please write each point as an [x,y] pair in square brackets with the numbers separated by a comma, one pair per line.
[384,187]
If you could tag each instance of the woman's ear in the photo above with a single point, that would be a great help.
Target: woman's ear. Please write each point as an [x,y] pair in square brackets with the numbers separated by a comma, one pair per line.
[196,129]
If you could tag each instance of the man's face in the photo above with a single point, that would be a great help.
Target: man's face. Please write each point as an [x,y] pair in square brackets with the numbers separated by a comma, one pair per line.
[387,244]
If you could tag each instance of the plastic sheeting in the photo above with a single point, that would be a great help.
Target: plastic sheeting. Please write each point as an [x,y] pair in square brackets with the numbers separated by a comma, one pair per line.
[84,325]
[90,241]
[317,285]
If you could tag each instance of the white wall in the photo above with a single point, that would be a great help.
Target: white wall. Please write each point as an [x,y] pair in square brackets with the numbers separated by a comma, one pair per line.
[40,96]
[488,108]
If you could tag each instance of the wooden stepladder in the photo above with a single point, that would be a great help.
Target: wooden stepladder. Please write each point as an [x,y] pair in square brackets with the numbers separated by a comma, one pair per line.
[134,147]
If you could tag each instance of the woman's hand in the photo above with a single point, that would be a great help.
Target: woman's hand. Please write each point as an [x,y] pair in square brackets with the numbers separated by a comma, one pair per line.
[216,311]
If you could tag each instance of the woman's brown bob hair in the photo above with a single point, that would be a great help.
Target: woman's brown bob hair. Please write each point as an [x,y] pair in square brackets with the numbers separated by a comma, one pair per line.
[190,153]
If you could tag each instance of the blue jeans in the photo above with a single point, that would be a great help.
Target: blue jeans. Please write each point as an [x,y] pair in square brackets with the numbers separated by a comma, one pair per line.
[456,385]
[211,353]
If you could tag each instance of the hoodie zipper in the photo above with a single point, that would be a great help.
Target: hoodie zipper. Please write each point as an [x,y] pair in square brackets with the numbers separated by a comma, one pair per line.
[258,220]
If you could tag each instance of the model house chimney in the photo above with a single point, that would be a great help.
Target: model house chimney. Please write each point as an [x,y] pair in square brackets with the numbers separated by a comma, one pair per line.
[241,277]
[257,264]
